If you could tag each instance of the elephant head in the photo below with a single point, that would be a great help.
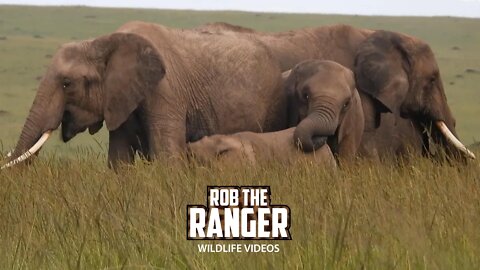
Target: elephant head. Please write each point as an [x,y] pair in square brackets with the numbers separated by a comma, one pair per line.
[326,106]
[402,74]
[230,149]
[88,82]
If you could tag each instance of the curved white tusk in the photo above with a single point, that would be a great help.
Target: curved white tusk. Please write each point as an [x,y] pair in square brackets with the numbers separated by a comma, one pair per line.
[30,151]
[453,140]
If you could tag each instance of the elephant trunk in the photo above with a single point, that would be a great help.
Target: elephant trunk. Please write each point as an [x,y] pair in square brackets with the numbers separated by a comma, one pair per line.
[444,123]
[44,117]
[312,132]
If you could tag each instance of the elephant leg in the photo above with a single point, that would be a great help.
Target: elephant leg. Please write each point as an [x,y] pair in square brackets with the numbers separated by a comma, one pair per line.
[141,146]
[167,140]
[120,149]
[135,130]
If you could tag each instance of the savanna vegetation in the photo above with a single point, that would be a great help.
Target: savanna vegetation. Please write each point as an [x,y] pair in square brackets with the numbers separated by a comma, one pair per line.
[68,210]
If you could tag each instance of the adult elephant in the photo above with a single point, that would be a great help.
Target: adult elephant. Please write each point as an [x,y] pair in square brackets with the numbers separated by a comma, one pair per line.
[394,72]
[155,88]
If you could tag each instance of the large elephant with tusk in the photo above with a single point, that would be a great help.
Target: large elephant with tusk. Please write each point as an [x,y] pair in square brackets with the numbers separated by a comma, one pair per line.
[156,89]
[398,78]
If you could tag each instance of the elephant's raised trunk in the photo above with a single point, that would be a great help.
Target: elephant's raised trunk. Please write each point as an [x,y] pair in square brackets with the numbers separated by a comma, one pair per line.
[312,132]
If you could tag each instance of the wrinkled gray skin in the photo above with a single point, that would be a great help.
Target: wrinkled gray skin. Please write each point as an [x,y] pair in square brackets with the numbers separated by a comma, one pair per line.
[324,103]
[395,73]
[327,108]
[253,148]
[157,88]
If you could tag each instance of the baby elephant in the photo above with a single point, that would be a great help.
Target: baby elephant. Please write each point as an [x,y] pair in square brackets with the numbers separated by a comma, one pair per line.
[324,103]
[252,148]
[325,107]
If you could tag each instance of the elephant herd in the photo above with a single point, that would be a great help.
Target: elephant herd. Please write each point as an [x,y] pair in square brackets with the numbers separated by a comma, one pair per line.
[229,92]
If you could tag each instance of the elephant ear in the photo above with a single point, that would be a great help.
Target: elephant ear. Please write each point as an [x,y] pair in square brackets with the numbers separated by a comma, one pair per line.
[289,83]
[382,68]
[351,128]
[131,69]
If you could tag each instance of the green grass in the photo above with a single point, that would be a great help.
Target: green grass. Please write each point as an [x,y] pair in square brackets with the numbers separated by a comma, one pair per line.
[69,211]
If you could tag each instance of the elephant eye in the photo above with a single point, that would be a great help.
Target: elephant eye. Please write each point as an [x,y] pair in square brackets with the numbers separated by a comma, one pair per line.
[432,80]
[346,104]
[222,152]
[66,83]
[87,84]
[305,93]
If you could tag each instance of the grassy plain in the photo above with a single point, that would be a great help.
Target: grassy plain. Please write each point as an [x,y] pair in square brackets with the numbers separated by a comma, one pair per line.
[69,211]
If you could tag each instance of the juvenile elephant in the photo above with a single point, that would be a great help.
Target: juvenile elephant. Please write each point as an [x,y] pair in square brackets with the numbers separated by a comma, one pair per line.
[252,148]
[395,73]
[325,104]
[155,88]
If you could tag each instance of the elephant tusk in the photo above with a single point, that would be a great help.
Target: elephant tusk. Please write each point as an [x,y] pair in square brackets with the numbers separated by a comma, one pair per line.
[453,140]
[9,154]
[30,151]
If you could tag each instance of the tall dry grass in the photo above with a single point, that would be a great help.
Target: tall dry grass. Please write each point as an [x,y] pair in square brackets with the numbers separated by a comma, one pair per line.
[76,213]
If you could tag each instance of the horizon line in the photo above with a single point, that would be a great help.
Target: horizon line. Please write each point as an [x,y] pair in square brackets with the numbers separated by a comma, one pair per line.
[238,10]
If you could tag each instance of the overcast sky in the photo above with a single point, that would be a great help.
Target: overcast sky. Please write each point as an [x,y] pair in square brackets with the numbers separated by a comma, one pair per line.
[462,8]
